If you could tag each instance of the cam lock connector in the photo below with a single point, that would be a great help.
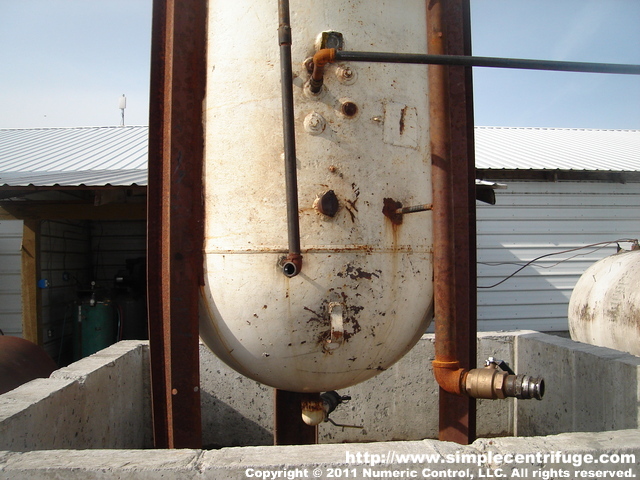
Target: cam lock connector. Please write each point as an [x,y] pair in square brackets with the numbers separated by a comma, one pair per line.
[497,380]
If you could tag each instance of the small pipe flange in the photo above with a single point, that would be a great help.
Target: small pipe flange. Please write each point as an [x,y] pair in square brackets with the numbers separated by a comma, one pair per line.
[292,264]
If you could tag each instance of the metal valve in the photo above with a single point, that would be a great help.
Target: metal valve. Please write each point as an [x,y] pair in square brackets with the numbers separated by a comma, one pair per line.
[316,414]
[497,380]
[331,400]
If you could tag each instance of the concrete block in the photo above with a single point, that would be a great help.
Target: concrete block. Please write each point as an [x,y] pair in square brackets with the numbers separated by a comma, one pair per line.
[495,418]
[399,404]
[565,455]
[427,458]
[101,401]
[236,411]
[30,414]
[588,388]
[101,464]
[115,394]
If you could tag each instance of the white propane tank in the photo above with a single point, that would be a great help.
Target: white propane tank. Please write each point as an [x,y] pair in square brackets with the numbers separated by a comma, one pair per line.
[604,308]
[364,294]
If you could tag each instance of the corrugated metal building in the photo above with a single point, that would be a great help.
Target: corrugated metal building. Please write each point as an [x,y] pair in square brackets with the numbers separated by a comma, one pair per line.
[566,188]
[85,156]
[78,196]
[73,200]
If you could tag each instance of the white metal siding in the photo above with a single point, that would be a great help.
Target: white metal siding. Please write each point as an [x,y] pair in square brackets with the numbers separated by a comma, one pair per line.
[10,271]
[537,218]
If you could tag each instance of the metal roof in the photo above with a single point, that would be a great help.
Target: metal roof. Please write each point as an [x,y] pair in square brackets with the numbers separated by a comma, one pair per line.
[557,149]
[98,156]
[91,156]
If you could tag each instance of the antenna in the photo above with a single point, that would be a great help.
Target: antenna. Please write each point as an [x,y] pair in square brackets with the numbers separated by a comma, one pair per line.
[122,104]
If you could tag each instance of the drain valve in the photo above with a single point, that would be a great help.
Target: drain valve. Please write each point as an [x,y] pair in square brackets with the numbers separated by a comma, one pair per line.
[314,413]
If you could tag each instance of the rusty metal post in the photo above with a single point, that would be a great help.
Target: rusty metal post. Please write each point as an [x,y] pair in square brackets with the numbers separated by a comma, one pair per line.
[175,218]
[451,116]
[289,429]
[462,409]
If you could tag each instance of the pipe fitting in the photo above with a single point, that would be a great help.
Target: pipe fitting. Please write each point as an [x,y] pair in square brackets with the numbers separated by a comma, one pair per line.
[327,203]
[487,382]
[493,383]
[292,265]
[317,411]
[313,412]
[524,387]
[320,59]
[450,376]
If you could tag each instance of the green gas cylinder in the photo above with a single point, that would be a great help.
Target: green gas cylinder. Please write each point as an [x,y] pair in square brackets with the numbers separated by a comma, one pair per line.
[95,327]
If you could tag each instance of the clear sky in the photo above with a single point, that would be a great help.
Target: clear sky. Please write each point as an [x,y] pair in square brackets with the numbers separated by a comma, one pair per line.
[67,62]
[571,30]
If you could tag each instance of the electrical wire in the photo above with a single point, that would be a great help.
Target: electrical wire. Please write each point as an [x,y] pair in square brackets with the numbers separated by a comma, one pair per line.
[634,241]
[539,265]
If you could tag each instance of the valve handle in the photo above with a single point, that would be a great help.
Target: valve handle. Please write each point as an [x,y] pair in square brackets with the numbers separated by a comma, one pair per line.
[501,364]
[328,419]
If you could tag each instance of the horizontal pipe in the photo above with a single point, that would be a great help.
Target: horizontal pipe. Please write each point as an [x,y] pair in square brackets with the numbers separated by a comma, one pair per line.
[415,208]
[496,62]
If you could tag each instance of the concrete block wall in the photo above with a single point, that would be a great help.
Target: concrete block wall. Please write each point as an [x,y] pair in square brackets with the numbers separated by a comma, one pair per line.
[399,404]
[101,401]
[588,388]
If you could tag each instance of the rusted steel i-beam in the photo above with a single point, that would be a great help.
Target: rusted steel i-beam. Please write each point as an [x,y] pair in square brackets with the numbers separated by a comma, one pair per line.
[451,116]
[289,429]
[175,218]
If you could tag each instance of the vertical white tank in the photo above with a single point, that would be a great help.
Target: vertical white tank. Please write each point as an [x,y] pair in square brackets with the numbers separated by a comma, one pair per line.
[604,308]
[364,295]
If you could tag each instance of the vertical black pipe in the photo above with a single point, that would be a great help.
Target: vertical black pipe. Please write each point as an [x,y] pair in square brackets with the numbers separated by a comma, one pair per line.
[292,267]
[289,429]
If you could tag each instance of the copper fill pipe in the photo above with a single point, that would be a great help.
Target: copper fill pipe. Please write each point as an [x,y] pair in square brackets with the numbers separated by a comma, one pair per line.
[320,59]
